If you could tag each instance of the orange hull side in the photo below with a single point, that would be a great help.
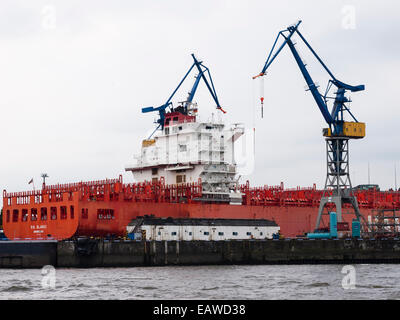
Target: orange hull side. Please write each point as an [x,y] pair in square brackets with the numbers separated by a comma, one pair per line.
[102,208]
[37,228]
[293,221]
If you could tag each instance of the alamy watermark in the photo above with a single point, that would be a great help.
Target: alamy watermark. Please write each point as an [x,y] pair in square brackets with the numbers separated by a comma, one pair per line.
[49,17]
[349,17]
[349,280]
[244,153]
[48,277]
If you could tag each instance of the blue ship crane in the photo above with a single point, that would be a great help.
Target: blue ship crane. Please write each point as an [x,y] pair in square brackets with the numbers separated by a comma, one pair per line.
[338,188]
[335,117]
[203,73]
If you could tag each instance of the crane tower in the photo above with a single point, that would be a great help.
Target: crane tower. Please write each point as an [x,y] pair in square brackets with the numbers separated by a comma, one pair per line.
[338,189]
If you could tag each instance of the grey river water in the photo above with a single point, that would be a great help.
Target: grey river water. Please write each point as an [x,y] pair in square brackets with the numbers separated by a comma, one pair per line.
[205,282]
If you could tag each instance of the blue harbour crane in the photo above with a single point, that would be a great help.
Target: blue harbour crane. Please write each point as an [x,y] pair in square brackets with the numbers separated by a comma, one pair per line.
[339,130]
[203,74]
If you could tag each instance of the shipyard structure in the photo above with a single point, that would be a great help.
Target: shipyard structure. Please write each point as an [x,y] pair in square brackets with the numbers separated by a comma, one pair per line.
[186,175]
[187,186]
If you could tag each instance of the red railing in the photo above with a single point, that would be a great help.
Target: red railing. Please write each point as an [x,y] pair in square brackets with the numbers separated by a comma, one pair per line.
[115,190]
[310,197]
[109,190]
[62,192]
[160,192]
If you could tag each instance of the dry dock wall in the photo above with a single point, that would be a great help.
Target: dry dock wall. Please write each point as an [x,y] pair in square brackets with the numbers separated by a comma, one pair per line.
[28,254]
[102,253]
[159,253]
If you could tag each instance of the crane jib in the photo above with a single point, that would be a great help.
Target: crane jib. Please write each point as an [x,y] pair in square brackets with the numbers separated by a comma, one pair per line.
[204,73]
[334,118]
[311,85]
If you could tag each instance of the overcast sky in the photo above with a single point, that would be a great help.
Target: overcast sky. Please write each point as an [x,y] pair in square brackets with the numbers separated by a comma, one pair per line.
[74,76]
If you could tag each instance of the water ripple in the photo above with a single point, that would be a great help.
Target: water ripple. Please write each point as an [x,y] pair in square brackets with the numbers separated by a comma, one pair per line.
[205,282]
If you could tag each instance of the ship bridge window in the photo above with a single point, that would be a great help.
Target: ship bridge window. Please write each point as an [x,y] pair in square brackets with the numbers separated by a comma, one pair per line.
[71,211]
[182,147]
[85,214]
[24,216]
[167,129]
[63,212]
[43,214]
[8,216]
[175,119]
[181,178]
[167,120]
[53,213]
[15,215]
[33,214]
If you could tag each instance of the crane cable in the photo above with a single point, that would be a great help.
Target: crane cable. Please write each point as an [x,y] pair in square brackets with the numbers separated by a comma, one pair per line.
[253,98]
[262,96]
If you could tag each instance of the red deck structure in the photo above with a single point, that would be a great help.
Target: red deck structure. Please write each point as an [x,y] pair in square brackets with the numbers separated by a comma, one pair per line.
[104,208]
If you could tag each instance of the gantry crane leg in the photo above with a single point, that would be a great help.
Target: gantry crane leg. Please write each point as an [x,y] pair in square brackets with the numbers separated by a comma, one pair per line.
[338,189]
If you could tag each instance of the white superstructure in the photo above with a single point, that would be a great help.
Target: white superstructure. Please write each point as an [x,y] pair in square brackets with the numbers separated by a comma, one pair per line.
[186,151]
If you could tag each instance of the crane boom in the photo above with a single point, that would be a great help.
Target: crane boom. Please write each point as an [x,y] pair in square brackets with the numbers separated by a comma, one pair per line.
[335,117]
[204,72]
[338,188]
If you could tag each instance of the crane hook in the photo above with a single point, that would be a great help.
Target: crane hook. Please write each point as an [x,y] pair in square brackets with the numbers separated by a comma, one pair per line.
[262,96]
[262,107]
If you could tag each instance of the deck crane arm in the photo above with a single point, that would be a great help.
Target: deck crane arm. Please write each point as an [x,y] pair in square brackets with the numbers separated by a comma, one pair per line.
[338,187]
[204,72]
[333,118]
[210,85]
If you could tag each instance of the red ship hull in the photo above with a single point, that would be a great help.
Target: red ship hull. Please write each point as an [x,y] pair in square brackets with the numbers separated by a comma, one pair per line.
[104,208]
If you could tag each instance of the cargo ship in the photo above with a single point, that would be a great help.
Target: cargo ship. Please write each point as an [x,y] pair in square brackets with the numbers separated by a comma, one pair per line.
[186,170]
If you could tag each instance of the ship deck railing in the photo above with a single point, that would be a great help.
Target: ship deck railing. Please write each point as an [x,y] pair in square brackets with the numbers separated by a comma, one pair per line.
[116,190]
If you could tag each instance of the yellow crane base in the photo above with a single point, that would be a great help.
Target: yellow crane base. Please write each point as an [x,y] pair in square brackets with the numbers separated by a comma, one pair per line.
[353,130]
